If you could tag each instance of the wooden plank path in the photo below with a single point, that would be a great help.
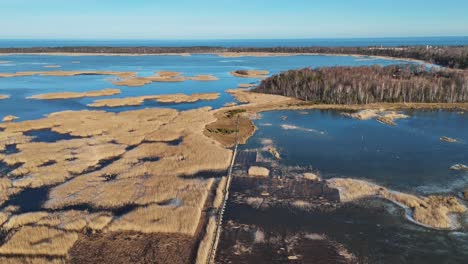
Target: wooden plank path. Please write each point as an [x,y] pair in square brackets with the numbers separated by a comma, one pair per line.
[220,213]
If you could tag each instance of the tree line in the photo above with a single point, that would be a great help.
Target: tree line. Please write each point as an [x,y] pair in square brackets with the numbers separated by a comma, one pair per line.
[448,56]
[370,84]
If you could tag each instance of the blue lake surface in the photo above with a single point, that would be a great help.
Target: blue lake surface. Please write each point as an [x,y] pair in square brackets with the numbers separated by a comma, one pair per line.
[409,156]
[329,42]
[19,88]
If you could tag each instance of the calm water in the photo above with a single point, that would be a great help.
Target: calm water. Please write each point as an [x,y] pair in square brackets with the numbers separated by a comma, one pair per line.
[21,87]
[329,42]
[409,156]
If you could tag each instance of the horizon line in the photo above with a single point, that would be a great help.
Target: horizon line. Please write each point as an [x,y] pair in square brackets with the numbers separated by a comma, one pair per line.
[192,39]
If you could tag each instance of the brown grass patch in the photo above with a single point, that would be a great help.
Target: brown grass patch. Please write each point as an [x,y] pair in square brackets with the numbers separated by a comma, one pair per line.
[71,220]
[204,77]
[132,247]
[166,98]
[42,241]
[72,95]
[205,245]
[385,117]
[68,73]
[258,171]
[250,73]
[32,260]
[162,76]
[432,211]
[219,197]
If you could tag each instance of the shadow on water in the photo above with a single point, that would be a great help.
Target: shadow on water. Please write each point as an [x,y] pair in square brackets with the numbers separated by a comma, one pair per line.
[29,200]
[48,136]
[372,229]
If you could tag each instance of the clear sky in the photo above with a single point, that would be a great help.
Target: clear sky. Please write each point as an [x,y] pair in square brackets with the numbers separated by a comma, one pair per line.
[221,19]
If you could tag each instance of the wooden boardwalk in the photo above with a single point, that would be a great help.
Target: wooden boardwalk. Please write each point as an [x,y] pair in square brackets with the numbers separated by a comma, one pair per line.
[220,213]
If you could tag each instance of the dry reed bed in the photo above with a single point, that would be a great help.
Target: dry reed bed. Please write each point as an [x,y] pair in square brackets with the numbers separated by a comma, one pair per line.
[250,73]
[146,175]
[433,211]
[386,117]
[39,240]
[73,95]
[205,245]
[162,76]
[68,73]
[169,98]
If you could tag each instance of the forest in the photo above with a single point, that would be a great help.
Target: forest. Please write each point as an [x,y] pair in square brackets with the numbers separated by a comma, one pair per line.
[455,57]
[370,84]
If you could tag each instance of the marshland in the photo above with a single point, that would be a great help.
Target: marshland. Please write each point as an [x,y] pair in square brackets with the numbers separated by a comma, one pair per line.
[128,155]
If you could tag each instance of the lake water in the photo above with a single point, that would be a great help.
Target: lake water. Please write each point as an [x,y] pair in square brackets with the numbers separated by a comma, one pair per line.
[409,156]
[324,42]
[19,88]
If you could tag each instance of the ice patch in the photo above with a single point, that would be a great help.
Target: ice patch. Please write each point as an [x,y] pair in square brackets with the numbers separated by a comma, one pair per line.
[293,127]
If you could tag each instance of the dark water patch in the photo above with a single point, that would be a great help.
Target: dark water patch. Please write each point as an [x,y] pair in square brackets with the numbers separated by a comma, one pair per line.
[205,174]
[47,135]
[101,165]
[282,188]
[30,200]
[372,229]
[149,159]
[5,169]
[174,142]
[392,156]
[109,177]
[128,148]
[10,149]
[48,163]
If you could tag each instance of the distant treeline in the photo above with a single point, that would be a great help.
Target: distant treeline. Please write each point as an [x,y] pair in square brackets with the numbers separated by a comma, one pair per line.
[448,56]
[369,84]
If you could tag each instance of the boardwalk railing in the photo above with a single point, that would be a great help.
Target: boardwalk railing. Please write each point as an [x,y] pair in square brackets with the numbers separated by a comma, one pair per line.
[220,213]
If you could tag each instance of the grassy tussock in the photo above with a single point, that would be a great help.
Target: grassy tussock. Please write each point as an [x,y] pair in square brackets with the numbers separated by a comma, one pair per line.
[250,73]
[219,197]
[72,95]
[433,211]
[179,218]
[138,100]
[31,260]
[162,76]
[68,220]
[68,73]
[39,241]
[258,171]
[67,157]
[205,245]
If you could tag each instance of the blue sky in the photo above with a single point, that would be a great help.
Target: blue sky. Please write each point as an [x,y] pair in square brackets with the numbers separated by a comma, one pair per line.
[224,19]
